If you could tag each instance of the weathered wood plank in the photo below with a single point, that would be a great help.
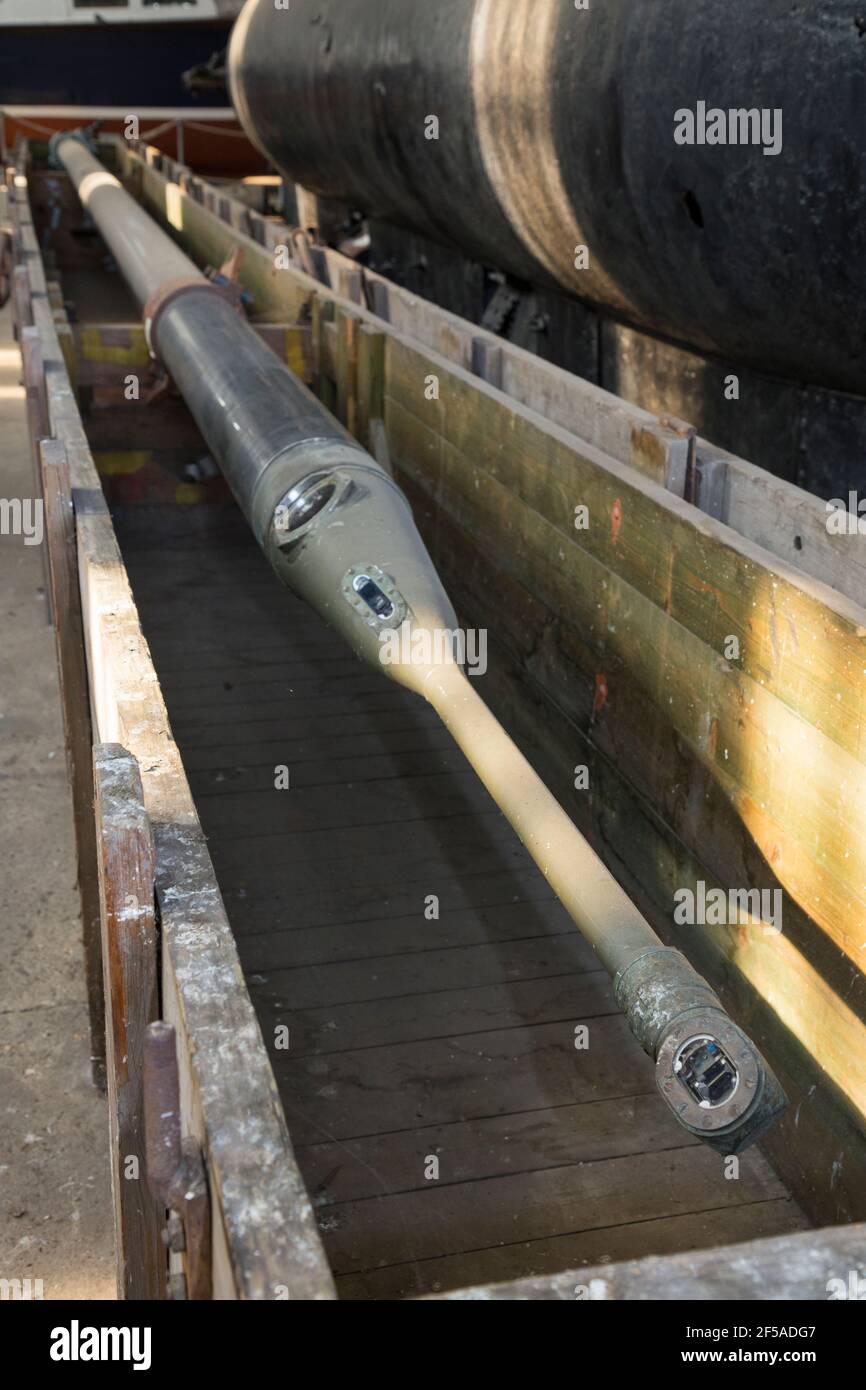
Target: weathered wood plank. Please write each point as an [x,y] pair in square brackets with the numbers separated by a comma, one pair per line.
[39,424]
[491,1147]
[422,1017]
[453,1219]
[804,642]
[129,952]
[809,1267]
[60,545]
[431,1081]
[704,1230]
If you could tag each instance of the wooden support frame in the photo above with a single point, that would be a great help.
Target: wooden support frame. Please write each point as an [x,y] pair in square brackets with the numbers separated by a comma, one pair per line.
[39,424]
[60,547]
[811,1267]
[22,309]
[265,1240]
[127,865]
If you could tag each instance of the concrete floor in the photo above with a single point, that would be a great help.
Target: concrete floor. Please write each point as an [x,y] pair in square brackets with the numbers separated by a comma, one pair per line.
[55,1197]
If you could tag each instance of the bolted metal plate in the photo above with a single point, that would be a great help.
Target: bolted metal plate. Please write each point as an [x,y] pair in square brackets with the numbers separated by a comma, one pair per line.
[671,1073]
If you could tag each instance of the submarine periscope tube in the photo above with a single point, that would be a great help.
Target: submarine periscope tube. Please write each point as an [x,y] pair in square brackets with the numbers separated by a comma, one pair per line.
[339,532]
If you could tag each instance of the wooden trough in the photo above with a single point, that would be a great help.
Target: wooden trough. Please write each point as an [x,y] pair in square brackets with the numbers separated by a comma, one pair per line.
[400,1069]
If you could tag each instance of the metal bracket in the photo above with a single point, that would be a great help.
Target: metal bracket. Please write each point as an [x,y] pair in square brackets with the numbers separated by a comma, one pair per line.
[175,1169]
[502,305]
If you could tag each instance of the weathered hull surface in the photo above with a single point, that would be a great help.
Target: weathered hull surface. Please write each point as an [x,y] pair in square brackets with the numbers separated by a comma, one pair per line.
[557,129]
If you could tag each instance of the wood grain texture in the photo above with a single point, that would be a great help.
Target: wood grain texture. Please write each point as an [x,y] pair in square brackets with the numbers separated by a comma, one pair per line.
[60,545]
[796,1268]
[130,957]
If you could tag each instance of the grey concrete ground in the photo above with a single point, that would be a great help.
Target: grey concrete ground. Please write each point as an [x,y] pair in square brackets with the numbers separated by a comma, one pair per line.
[55,1201]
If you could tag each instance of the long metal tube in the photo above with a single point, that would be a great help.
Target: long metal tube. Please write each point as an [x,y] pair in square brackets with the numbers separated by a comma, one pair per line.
[147,258]
[338,531]
[520,130]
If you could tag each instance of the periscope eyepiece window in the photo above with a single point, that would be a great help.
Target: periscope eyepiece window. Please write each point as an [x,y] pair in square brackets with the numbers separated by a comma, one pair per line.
[707,1072]
[377,601]
[308,505]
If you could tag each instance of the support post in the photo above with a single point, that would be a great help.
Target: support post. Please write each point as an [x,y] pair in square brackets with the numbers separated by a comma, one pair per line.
[127,865]
[75,700]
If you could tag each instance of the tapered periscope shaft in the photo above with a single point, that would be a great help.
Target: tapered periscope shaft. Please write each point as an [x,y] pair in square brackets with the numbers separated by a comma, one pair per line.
[339,532]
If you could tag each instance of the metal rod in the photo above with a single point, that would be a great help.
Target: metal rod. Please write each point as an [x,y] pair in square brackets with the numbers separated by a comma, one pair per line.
[145,256]
[339,532]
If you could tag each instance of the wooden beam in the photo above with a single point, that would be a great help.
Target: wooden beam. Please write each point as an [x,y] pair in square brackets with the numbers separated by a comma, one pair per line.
[129,952]
[798,639]
[39,424]
[75,701]
[810,1267]
[22,308]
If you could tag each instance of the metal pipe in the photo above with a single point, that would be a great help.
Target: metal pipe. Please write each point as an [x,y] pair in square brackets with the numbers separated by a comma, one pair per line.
[339,532]
[710,158]
[146,257]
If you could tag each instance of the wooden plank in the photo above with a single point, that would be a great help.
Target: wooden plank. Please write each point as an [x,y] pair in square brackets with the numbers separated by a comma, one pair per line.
[453,970]
[754,503]
[430,1081]
[491,1147]
[22,308]
[129,952]
[457,1013]
[39,424]
[283,944]
[386,801]
[810,1267]
[803,641]
[704,1230]
[346,369]
[60,544]
[459,1218]
[370,389]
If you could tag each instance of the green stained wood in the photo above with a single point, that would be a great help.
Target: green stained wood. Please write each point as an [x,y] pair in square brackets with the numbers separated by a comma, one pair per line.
[803,643]
[796,789]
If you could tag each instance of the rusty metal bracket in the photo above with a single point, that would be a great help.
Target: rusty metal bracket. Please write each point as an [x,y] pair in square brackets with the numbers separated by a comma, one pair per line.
[175,1169]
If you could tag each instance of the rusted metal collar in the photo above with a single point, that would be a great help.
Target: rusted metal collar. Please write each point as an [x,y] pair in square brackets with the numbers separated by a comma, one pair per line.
[168,293]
